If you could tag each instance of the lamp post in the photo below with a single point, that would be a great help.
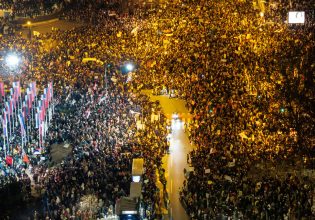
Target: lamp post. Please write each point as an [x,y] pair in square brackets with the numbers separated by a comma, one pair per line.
[29,25]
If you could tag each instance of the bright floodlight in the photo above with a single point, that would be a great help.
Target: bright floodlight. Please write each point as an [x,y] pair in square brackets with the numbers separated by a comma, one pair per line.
[12,60]
[129,67]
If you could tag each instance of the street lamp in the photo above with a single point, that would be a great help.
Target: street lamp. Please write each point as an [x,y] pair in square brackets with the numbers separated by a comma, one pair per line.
[129,67]
[29,23]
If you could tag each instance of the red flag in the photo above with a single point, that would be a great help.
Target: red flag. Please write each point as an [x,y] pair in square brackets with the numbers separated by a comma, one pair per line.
[29,101]
[25,159]
[9,160]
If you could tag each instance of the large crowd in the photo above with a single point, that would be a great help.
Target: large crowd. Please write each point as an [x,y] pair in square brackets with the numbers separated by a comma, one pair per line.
[97,119]
[247,80]
[31,8]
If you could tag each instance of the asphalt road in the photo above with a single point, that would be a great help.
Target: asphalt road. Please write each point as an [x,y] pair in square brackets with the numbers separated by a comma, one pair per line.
[175,162]
[47,27]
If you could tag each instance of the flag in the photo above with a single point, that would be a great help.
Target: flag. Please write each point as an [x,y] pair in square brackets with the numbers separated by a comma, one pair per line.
[26,105]
[7,107]
[9,160]
[32,90]
[30,101]
[28,98]
[22,122]
[37,120]
[25,110]
[12,105]
[17,88]
[25,159]
[87,113]
[212,150]
[5,123]
[51,90]
[41,132]
[42,113]
[36,33]
[37,151]
[46,100]
[228,178]
[39,104]
[2,93]
[243,135]
[135,31]
[33,87]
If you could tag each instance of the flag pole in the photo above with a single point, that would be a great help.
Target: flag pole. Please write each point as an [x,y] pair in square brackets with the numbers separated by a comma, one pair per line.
[4,146]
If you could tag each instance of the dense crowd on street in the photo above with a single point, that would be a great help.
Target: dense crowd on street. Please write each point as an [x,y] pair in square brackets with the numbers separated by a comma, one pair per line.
[100,126]
[246,79]
[249,88]
[30,8]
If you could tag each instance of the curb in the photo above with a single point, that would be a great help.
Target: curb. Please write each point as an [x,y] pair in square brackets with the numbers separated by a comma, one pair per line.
[41,22]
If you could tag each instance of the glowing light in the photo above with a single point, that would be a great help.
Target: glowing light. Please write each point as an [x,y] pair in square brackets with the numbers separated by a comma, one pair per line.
[175,116]
[177,125]
[136,179]
[12,60]
[296,17]
[129,67]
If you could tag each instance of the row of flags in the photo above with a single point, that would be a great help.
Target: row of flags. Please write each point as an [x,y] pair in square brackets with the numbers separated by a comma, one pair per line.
[25,111]
[44,112]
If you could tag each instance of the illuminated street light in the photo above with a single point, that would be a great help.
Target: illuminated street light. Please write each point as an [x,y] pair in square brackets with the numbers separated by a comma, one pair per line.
[175,116]
[129,67]
[29,24]
[12,60]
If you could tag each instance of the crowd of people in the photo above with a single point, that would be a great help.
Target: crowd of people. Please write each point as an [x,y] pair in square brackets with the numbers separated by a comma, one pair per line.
[31,8]
[246,78]
[97,119]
